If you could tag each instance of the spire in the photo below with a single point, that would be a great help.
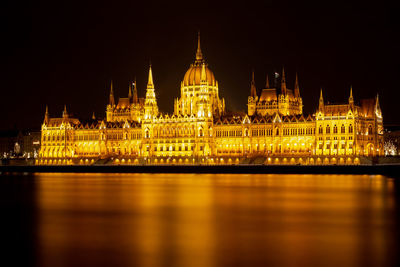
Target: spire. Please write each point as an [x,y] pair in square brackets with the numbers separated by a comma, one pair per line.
[253,90]
[351,100]
[93,116]
[296,87]
[199,55]
[203,73]
[377,106]
[46,115]
[130,92]
[283,82]
[135,96]
[267,83]
[65,113]
[150,104]
[150,81]
[112,101]
[321,102]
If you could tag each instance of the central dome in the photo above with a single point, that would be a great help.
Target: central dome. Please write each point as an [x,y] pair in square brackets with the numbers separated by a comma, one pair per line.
[193,75]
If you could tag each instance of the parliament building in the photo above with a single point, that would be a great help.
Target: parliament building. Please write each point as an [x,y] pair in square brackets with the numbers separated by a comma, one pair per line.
[200,131]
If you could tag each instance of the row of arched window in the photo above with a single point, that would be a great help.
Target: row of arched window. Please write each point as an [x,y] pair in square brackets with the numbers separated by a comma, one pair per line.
[57,137]
[335,129]
[173,132]
[298,131]
[228,133]
[265,132]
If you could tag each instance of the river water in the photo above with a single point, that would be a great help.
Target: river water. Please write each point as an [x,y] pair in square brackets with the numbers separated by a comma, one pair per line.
[199,220]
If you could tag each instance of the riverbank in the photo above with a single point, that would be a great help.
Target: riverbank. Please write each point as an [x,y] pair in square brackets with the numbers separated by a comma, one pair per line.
[384,169]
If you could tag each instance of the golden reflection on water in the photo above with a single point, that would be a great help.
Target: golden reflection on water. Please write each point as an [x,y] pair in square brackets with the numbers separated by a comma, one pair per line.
[214,219]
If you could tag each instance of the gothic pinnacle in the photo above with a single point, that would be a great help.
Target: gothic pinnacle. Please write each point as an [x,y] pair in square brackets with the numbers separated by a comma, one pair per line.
[283,82]
[253,90]
[112,100]
[199,55]
[135,95]
[267,82]
[296,87]
[150,80]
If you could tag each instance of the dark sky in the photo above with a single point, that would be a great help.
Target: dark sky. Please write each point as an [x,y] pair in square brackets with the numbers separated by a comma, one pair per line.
[66,52]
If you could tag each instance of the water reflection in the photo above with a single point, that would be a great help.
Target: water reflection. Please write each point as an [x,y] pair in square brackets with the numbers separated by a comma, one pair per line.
[215,220]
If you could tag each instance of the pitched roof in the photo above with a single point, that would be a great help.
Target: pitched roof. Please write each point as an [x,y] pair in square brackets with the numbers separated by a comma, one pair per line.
[59,121]
[123,103]
[368,106]
[268,95]
[336,110]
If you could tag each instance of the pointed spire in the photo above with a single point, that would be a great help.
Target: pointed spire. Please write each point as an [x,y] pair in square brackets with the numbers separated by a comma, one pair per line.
[112,101]
[93,116]
[135,95]
[130,92]
[283,82]
[377,106]
[46,115]
[253,90]
[321,102]
[203,77]
[150,81]
[199,55]
[150,105]
[65,113]
[267,83]
[351,99]
[296,87]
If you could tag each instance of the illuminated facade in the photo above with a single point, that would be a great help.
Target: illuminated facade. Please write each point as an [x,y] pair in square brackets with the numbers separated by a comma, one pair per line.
[274,130]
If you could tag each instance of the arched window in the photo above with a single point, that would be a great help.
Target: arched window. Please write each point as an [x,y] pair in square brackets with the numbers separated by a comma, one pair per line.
[350,128]
[320,130]
[328,129]
[246,132]
[147,133]
[335,129]
[200,131]
[370,129]
[343,129]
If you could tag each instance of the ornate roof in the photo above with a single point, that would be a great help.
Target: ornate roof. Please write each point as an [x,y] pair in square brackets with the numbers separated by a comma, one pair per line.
[193,75]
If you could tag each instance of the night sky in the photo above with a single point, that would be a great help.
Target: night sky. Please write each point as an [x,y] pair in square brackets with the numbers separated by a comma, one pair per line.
[67,52]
